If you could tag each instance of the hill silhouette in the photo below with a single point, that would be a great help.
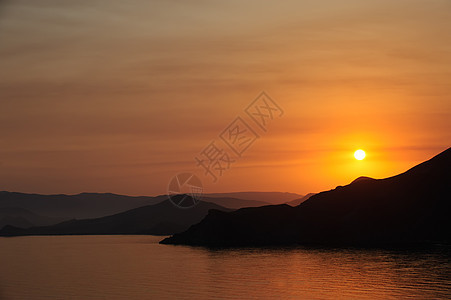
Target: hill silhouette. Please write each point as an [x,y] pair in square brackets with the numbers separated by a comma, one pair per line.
[158,219]
[266,197]
[24,218]
[84,205]
[362,178]
[298,201]
[233,203]
[94,205]
[409,208]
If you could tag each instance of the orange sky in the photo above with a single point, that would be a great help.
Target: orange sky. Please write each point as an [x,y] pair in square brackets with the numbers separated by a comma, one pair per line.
[119,96]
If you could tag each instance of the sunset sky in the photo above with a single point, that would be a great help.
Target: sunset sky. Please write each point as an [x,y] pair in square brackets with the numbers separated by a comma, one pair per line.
[119,96]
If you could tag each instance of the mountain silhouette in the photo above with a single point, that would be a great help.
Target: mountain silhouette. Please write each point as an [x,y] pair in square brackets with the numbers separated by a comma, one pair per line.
[234,203]
[298,201]
[266,197]
[409,208]
[158,219]
[84,205]
[362,178]
[95,205]
[23,218]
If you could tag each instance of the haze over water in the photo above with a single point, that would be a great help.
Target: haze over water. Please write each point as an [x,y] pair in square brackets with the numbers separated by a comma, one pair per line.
[137,267]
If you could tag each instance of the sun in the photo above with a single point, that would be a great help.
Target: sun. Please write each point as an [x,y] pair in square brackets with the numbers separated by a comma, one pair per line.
[359,154]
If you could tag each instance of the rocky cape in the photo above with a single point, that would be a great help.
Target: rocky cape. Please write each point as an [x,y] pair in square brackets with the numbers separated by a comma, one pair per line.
[410,208]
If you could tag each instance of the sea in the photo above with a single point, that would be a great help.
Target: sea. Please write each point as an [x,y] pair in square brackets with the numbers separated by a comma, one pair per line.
[138,267]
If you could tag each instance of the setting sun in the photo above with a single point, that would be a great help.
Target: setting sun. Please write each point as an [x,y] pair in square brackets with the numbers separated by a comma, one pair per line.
[359,154]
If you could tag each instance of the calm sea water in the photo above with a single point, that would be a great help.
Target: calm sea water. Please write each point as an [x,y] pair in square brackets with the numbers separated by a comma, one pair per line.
[137,267]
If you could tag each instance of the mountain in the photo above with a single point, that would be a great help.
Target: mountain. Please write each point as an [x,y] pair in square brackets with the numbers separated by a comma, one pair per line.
[410,208]
[298,201]
[267,197]
[362,178]
[158,219]
[24,218]
[233,203]
[84,205]
[95,205]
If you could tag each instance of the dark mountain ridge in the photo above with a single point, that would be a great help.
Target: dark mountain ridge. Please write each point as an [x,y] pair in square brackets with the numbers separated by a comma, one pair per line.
[158,219]
[95,205]
[84,205]
[267,197]
[412,207]
[24,218]
[296,202]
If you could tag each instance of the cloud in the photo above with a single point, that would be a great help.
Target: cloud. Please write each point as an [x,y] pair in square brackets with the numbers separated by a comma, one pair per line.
[158,80]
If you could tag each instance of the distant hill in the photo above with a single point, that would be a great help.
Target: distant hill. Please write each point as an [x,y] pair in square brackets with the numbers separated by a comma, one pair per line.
[158,219]
[24,218]
[84,205]
[298,201]
[268,197]
[362,178]
[95,205]
[234,203]
[412,207]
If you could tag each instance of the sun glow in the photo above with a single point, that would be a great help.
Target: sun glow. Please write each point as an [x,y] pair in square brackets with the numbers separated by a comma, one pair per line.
[359,154]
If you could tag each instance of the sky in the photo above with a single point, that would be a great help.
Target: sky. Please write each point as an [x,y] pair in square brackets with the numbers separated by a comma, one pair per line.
[120,96]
